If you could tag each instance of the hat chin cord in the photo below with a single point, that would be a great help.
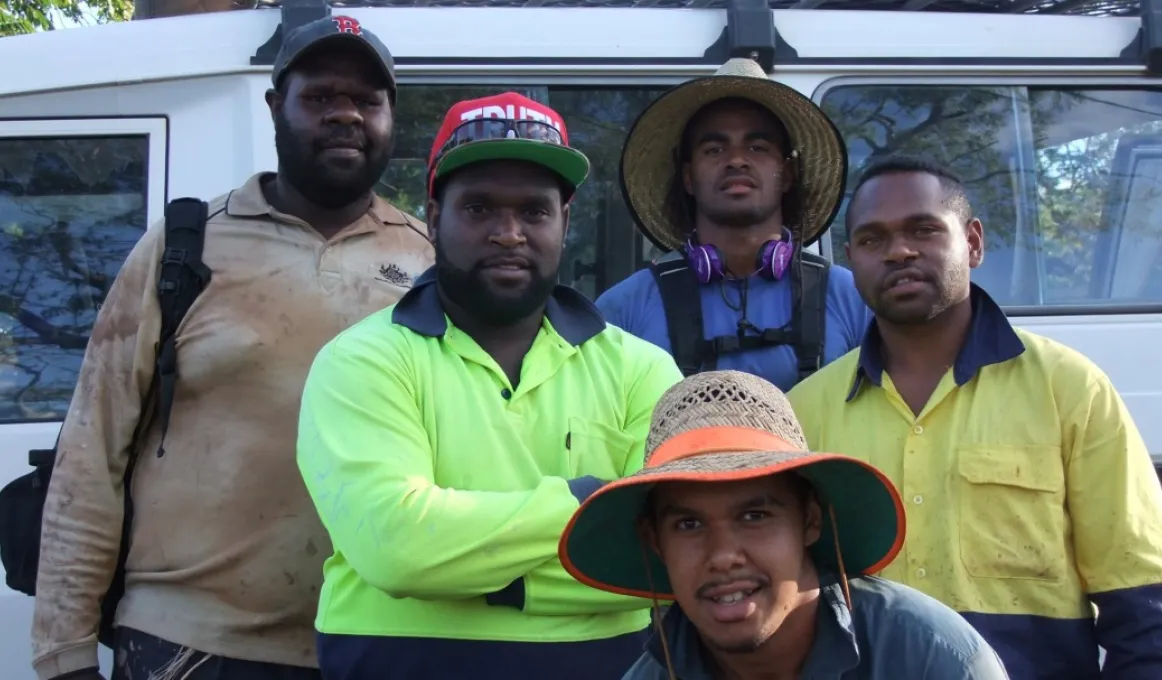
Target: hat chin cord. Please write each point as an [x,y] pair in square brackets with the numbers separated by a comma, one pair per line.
[657,610]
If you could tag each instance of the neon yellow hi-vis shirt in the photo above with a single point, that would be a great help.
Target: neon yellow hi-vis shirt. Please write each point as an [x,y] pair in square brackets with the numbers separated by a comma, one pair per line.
[445,490]
[1030,496]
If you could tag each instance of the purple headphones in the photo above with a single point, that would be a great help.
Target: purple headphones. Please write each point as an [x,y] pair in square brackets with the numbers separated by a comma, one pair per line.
[773,259]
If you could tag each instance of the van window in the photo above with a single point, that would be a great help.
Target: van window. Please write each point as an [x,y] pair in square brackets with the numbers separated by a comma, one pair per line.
[71,209]
[1068,182]
[602,246]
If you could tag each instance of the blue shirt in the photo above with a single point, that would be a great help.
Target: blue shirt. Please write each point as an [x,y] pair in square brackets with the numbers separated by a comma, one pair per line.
[635,306]
[891,632]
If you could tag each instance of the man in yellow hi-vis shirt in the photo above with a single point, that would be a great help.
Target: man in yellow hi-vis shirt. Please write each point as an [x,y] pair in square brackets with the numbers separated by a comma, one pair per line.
[1030,495]
[447,440]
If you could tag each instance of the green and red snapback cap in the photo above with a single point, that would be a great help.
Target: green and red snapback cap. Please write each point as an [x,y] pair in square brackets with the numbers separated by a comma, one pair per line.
[507,126]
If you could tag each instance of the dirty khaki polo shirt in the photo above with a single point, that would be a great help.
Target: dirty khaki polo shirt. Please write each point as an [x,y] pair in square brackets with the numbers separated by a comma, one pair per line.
[227,550]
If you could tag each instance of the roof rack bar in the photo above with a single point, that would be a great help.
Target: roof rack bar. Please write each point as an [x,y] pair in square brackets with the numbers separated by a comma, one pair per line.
[750,32]
[295,13]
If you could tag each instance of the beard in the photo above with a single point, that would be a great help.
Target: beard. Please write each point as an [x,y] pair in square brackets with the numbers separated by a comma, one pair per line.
[469,290]
[950,288]
[736,216]
[319,183]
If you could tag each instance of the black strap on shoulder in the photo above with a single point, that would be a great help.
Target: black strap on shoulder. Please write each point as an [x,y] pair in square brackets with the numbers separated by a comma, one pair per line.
[682,303]
[182,277]
[809,311]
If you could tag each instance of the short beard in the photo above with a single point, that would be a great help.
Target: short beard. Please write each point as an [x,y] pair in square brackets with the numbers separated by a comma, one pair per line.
[738,218]
[297,163]
[954,280]
[468,289]
[748,647]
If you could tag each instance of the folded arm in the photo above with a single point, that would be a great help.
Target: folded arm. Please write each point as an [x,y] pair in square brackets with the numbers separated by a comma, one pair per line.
[549,589]
[366,457]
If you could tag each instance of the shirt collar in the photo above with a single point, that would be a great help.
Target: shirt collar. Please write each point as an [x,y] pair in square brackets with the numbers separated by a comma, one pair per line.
[990,340]
[571,314]
[834,652]
[248,200]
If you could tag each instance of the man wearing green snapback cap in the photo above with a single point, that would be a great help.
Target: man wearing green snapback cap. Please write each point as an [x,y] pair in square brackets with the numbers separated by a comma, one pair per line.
[766,549]
[446,441]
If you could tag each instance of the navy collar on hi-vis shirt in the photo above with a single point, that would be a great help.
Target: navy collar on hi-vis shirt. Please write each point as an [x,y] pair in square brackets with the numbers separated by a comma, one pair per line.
[990,340]
[572,315]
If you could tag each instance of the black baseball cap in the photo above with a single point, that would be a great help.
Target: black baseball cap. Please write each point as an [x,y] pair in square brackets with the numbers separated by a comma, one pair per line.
[333,30]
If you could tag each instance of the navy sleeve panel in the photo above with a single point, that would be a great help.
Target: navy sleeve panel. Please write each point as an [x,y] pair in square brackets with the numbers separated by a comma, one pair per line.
[1129,628]
[361,657]
[584,487]
[512,595]
[1041,648]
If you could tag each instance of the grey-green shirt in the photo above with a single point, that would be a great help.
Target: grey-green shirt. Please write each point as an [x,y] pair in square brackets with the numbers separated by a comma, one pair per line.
[891,632]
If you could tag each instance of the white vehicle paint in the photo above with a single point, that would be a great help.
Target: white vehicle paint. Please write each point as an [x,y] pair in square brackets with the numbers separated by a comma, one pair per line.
[133,114]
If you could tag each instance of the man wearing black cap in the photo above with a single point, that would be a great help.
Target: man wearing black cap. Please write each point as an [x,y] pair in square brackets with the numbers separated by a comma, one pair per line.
[226,551]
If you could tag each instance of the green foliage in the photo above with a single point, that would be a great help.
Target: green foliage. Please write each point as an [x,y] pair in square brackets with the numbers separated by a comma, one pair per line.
[28,16]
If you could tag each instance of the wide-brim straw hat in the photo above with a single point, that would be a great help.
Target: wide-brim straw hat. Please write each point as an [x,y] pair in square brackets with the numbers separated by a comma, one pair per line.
[649,157]
[723,426]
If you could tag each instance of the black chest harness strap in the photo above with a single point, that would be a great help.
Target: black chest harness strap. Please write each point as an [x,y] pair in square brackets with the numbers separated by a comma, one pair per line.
[682,303]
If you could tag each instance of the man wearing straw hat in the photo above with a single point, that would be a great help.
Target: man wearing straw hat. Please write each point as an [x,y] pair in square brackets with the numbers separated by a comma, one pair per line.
[764,546]
[736,174]
[445,506]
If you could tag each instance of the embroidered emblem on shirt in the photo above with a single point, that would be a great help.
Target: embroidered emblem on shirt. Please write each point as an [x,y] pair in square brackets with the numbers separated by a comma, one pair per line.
[393,274]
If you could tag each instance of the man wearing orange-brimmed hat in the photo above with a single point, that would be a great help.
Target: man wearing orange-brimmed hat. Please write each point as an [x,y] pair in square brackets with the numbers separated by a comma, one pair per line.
[733,176]
[447,441]
[767,550]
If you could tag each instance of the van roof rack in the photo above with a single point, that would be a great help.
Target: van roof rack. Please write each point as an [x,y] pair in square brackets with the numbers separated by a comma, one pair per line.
[1085,7]
[750,28]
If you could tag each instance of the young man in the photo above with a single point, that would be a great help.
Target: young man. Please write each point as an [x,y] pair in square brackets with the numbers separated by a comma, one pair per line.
[763,545]
[1031,498]
[736,174]
[227,551]
[445,505]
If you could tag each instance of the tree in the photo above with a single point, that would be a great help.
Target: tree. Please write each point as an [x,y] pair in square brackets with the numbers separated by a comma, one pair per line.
[28,16]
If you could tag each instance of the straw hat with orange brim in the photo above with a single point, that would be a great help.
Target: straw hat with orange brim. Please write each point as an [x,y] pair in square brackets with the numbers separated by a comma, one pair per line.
[723,426]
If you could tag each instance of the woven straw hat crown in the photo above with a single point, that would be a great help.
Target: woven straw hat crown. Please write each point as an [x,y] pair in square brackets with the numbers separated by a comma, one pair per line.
[724,399]
[742,67]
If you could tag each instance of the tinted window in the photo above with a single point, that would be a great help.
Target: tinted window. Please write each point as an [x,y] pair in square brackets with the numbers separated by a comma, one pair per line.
[1067,182]
[71,209]
[602,246]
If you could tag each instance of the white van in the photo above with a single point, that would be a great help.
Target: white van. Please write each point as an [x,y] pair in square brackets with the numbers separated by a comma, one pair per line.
[1053,117]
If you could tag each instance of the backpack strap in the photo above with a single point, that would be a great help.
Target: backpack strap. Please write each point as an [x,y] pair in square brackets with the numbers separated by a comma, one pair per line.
[809,311]
[182,277]
[682,304]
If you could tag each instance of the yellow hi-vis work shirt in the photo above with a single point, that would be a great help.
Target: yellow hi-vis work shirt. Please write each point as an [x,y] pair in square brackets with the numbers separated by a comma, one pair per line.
[445,489]
[1029,495]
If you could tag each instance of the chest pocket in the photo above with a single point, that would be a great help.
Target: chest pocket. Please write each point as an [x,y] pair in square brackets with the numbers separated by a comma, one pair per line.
[594,448]
[1011,512]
